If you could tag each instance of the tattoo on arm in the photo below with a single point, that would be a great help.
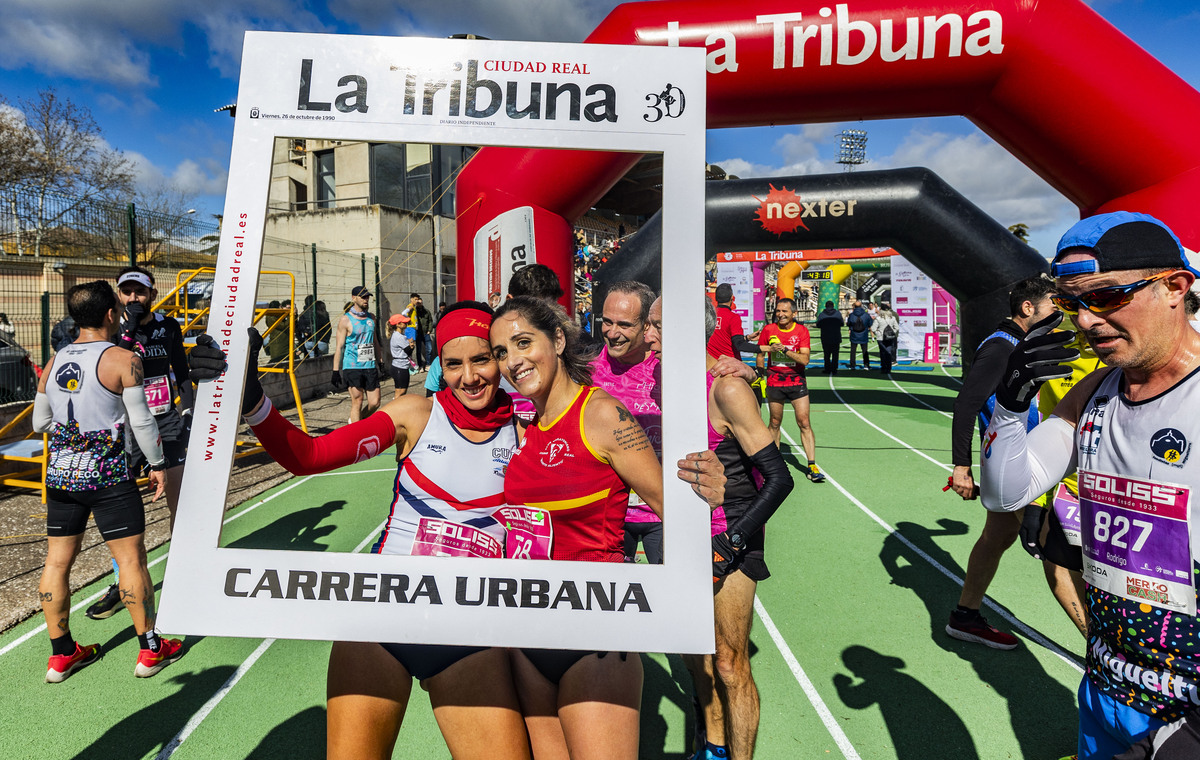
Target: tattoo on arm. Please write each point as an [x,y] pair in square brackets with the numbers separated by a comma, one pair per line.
[630,437]
[624,415]
[137,371]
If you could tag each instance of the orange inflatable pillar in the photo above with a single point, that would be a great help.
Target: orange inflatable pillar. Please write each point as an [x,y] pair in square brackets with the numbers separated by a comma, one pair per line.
[785,284]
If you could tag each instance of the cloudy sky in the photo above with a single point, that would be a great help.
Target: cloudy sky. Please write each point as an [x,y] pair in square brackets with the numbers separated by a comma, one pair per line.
[152,71]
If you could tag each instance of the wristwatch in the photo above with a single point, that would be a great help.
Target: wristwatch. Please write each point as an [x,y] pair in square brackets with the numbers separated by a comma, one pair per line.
[160,467]
[737,540]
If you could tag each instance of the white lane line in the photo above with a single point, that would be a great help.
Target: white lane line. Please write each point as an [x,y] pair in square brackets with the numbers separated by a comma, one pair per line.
[947,374]
[919,401]
[1029,633]
[810,691]
[87,602]
[370,537]
[945,467]
[195,721]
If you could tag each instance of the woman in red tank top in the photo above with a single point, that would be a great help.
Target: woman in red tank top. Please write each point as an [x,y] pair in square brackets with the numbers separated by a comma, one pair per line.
[577,461]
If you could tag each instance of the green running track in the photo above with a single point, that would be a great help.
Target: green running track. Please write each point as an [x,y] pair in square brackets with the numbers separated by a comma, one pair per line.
[848,645]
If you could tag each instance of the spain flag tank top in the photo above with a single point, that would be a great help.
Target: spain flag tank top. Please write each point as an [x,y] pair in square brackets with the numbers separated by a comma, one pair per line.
[555,469]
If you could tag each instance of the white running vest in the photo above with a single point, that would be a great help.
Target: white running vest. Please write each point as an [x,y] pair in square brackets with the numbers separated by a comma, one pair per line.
[447,477]
[1138,654]
[87,442]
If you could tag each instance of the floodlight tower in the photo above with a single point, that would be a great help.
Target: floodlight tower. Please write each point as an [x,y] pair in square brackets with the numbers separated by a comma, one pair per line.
[852,149]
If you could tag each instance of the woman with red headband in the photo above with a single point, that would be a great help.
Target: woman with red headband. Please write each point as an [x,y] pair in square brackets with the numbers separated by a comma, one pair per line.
[578,461]
[455,479]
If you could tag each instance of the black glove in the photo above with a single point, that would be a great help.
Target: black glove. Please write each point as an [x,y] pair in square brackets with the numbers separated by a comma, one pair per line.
[206,361]
[134,311]
[336,380]
[1033,361]
[1031,530]
[725,551]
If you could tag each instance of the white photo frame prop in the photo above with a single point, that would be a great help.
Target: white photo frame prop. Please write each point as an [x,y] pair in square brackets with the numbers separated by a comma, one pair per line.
[362,88]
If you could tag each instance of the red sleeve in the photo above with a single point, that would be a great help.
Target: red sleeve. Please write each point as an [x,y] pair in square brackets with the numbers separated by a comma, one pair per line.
[805,339]
[765,335]
[302,454]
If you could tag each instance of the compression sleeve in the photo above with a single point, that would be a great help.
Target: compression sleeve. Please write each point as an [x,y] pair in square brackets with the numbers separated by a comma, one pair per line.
[1019,466]
[980,382]
[302,454]
[777,484]
[744,346]
[141,422]
[43,418]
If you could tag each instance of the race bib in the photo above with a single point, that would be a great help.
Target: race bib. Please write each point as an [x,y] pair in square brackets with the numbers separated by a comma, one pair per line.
[443,538]
[158,394]
[529,533]
[366,352]
[1135,539]
[1066,506]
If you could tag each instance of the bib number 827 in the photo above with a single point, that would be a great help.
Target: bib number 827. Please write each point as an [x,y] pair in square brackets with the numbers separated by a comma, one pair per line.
[1113,530]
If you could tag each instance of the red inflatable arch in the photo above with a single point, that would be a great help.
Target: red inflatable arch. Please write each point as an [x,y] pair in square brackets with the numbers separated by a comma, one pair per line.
[1062,89]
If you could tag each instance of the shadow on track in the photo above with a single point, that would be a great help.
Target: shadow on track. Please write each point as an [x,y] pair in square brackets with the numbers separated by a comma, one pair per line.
[298,531]
[920,724]
[300,737]
[660,687]
[1042,711]
[148,730]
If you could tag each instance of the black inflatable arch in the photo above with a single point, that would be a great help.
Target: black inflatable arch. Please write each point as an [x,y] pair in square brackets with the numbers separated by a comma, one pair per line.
[946,236]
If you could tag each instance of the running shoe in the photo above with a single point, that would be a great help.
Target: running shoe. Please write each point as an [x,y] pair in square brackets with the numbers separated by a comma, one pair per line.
[977,630]
[149,663]
[109,604]
[63,665]
[814,474]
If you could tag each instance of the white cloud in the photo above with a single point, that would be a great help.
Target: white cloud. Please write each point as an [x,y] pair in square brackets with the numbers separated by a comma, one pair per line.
[189,177]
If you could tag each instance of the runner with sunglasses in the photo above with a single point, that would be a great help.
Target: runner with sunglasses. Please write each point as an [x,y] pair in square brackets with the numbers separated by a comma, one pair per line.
[1128,431]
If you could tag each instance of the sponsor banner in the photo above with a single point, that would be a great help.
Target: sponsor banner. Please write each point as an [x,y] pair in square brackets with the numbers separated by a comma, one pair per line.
[912,299]
[503,247]
[820,254]
[740,276]
[443,538]
[932,349]
[632,99]
[1135,539]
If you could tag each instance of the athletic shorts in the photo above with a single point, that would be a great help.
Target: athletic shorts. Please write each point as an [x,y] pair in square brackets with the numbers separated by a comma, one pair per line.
[553,664]
[399,376]
[1108,727]
[118,511]
[752,562]
[783,394]
[427,660]
[174,449]
[363,379]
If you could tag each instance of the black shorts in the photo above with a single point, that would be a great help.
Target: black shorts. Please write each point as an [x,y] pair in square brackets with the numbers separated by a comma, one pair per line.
[784,394]
[118,511]
[174,449]
[399,376]
[363,379]
[553,664]
[427,660]
[752,562]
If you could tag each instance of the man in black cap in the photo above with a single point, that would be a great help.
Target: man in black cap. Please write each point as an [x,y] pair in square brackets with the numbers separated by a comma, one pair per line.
[1128,431]
[356,351]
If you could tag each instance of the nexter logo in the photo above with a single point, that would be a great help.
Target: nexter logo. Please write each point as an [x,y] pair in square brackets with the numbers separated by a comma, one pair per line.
[784,210]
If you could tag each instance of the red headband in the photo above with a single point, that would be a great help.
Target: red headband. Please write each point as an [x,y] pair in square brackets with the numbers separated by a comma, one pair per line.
[461,323]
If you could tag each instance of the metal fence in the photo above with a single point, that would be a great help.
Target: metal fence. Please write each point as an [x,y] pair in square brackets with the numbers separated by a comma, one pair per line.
[50,242]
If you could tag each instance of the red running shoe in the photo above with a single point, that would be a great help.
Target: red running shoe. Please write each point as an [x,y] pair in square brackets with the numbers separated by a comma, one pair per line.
[63,665]
[977,630]
[149,663]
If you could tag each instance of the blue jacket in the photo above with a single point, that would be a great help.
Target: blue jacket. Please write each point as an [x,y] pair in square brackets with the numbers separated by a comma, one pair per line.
[859,336]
